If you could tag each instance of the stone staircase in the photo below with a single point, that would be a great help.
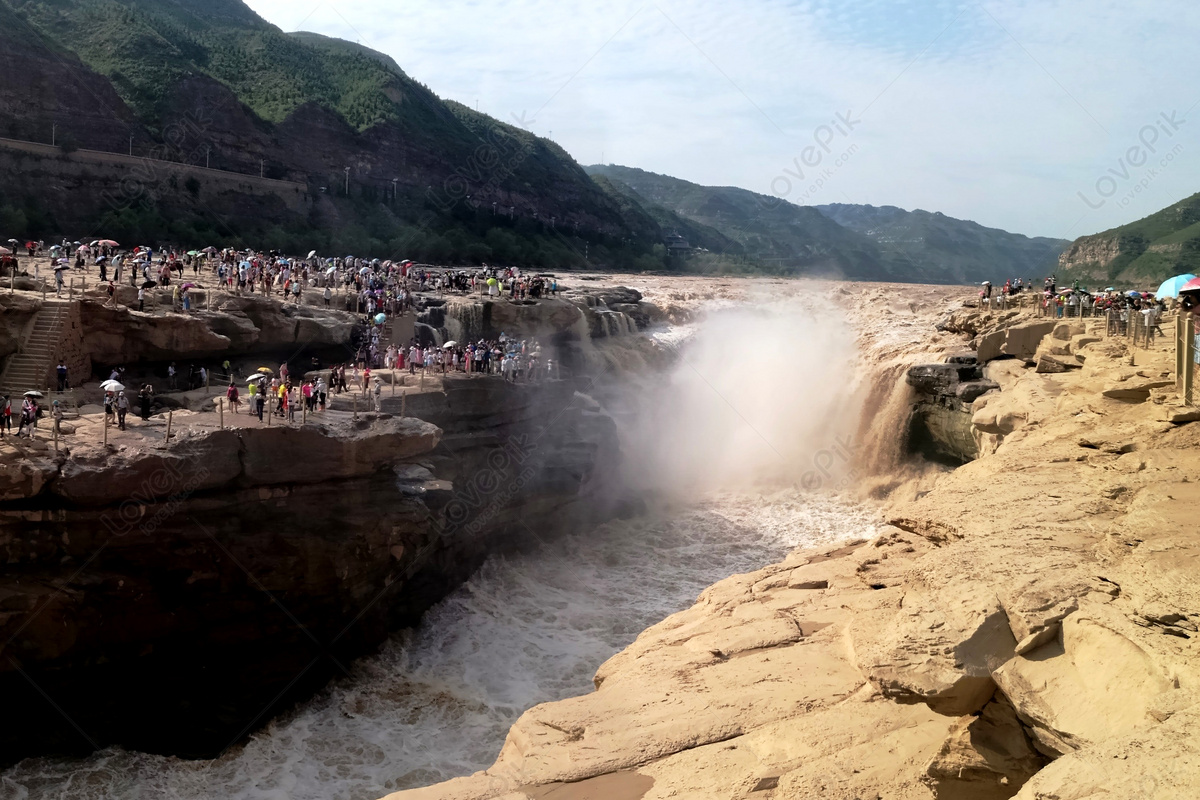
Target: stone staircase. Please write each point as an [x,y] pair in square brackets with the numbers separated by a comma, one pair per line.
[31,366]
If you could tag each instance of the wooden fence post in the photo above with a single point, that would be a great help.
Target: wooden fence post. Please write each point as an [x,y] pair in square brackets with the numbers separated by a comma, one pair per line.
[403,402]
[1189,358]
[170,419]
[221,411]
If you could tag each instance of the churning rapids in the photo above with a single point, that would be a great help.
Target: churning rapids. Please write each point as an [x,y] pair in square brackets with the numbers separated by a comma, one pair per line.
[438,700]
[533,626]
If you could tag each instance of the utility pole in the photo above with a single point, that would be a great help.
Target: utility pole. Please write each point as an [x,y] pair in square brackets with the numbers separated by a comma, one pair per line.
[262,166]
[394,190]
[207,154]
[53,133]
[347,181]
[131,144]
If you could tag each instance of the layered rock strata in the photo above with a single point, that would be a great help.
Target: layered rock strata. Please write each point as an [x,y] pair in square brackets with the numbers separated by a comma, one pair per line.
[172,599]
[1023,626]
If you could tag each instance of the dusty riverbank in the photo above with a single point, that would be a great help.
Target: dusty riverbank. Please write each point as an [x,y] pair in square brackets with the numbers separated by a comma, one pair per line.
[1024,623]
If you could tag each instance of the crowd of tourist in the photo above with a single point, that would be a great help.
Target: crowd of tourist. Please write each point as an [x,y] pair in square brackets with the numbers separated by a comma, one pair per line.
[1076,301]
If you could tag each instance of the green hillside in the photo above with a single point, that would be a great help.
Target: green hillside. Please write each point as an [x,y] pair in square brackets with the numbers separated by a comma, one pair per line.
[781,236]
[963,251]
[1140,253]
[145,47]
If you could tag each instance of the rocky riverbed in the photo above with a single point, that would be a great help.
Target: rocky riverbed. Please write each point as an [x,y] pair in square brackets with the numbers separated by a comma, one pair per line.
[1022,625]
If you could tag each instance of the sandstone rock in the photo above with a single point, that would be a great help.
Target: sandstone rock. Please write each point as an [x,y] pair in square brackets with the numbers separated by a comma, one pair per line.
[1054,364]
[1091,684]
[987,757]
[1160,763]
[991,345]
[969,392]
[1065,331]
[940,649]
[1021,341]
[1135,391]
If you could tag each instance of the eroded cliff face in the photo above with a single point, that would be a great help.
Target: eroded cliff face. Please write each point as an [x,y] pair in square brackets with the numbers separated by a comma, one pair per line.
[174,599]
[1020,625]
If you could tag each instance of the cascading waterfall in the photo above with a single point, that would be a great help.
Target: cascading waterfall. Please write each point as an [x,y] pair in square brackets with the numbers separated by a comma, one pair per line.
[531,627]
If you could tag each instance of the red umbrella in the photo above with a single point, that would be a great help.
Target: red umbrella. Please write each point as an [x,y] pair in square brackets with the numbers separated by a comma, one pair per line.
[108,243]
[1191,286]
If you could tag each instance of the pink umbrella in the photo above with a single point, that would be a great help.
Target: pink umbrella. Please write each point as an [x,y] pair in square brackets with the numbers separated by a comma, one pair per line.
[4,251]
[108,243]
[1191,286]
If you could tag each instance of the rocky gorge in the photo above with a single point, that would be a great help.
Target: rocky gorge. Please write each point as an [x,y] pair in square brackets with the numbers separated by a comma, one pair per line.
[173,594]
[1012,619]
[1018,626]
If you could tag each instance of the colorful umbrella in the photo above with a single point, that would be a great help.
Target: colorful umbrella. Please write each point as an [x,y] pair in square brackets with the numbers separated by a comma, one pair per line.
[1191,286]
[109,243]
[1171,286]
[380,319]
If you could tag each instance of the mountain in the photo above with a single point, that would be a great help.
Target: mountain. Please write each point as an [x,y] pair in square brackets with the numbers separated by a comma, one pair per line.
[374,161]
[782,236]
[961,250]
[857,241]
[1142,253]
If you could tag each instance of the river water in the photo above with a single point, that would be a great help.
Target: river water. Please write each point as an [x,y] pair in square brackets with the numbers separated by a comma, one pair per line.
[437,701]
[532,627]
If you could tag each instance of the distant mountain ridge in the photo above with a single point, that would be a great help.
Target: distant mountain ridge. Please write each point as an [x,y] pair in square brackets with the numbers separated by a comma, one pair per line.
[378,163]
[962,250]
[858,241]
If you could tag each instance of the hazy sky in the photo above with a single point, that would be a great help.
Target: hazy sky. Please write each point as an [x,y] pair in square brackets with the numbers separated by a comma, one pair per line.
[1045,117]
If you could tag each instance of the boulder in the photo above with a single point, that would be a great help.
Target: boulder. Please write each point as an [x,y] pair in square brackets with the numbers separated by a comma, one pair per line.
[940,649]
[1090,684]
[1051,364]
[991,346]
[932,379]
[1021,341]
[987,757]
[1066,331]
[1135,391]
[970,391]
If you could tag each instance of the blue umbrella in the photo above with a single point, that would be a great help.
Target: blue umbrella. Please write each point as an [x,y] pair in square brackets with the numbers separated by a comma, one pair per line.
[1171,286]
[1132,293]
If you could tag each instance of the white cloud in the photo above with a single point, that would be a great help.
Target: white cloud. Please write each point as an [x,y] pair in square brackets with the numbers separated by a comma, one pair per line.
[1002,112]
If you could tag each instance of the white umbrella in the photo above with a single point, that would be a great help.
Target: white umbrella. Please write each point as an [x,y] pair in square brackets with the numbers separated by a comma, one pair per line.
[112,386]
[311,253]
[450,344]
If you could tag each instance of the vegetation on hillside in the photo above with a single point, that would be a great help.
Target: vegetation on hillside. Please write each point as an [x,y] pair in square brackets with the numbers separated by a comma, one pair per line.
[775,236]
[1151,249]
[961,250]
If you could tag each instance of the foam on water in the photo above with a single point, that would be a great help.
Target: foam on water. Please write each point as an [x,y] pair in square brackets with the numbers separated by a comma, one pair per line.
[437,701]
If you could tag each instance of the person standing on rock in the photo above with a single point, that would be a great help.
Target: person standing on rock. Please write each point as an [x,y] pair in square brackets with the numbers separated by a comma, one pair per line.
[5,415]
[322,390]
[122,409]
[61,372]
[259,400]
[144,396]
[171,376]
[231,394]
[377,391]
